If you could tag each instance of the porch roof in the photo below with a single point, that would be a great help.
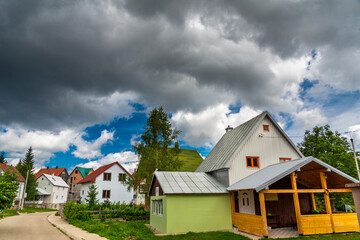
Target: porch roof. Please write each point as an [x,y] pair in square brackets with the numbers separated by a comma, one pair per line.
[273,173]
[41,191]
[188,183]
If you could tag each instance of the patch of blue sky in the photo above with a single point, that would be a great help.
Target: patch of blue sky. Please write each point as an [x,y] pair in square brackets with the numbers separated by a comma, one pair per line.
[338,103]
[235,107]
[66,159]
[305,86]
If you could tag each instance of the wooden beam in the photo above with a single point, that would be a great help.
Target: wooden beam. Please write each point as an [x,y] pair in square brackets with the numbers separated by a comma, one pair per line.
[278,191]
[314,171]
[340,190]
[263,213]
[296,203]
[233,202]
[306,190]
[327,199]
[313,203]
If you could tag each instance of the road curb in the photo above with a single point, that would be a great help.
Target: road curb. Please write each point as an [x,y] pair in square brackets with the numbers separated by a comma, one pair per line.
[71,231]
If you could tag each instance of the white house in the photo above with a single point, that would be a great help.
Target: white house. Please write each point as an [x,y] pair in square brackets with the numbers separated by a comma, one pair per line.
[242,151]
[110,181]
[52,191]
[20,179]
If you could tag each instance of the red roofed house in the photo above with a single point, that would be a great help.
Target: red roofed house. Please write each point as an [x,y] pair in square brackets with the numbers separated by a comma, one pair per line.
[58,172]
[21,179]
[110,181]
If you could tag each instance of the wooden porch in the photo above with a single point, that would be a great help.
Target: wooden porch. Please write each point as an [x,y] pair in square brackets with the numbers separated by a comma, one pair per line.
[306,182]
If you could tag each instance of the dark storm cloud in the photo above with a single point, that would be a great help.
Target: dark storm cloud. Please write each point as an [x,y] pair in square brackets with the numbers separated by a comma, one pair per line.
[58,59]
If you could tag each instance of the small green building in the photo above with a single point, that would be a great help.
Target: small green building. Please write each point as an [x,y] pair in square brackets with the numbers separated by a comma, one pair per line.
[189,201]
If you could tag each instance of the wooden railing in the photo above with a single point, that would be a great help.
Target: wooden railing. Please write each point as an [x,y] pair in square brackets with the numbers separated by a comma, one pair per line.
[248,223]
[321,223]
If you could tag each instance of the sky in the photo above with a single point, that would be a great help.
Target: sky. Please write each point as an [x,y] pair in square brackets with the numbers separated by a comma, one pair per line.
[78,78]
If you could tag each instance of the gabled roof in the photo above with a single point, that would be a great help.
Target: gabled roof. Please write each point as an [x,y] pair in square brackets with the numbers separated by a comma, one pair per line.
[231,142]
[273,173]
[92,176]
[55,171]
[4,166]
[83,171]
[54,180]
[187,183]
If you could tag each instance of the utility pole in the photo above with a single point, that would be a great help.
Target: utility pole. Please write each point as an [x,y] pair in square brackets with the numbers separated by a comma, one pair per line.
[357,165]
[23,196]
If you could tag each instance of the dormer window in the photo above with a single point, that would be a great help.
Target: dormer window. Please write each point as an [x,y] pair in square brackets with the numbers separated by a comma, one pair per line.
[266,128]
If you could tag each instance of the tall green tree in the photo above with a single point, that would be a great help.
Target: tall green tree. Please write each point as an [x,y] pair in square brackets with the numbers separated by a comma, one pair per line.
[157,148]
[330,147]
[2,157]
[8,187]
[91,199]
[27,164]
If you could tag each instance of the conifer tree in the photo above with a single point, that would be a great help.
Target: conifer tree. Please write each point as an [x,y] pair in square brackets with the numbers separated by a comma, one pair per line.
[27,164]
[2,157]
[91,199]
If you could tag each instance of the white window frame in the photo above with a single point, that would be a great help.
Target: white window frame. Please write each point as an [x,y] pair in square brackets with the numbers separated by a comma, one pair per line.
[157,207]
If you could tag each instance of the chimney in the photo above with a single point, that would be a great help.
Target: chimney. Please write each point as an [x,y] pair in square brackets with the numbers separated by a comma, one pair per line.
[56,167]
[47,167]
[228,129]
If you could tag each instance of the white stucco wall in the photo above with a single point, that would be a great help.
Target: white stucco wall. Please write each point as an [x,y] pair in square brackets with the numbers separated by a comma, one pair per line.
[268,148]
[118,189]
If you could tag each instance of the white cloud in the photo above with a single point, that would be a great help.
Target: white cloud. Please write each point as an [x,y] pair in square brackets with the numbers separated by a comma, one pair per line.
[128,159]
[308,118]
[92,149]
[16,141]
[206,127]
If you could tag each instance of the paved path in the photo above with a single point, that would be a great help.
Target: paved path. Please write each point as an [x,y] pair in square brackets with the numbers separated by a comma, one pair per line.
[72,231]
[29,226]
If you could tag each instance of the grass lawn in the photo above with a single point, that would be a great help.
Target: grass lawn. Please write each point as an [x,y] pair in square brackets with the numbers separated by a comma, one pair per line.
[33,210]
[137,230]
[11,212]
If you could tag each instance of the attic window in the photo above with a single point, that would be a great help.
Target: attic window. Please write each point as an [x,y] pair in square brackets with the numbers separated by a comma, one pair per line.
[266,128]
[76,172]
[252,162]
[284,159]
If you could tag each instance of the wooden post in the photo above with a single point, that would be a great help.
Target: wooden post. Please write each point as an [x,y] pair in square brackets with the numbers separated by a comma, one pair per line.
[296,203]
[232,201]
[327,199]
[263,213]
[313,201]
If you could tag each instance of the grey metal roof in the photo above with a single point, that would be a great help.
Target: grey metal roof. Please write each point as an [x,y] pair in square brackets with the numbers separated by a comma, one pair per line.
[41,191]
[188,183]
[231,142]
[56,181]
[270,174]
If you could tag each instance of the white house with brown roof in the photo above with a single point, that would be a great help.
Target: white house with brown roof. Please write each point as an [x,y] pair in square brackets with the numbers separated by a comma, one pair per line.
[110,181]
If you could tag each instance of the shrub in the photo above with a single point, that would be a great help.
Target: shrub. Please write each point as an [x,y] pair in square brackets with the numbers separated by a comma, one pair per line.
[128,212]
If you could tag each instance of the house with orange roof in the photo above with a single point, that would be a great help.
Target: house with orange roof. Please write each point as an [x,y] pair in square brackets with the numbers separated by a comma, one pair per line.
[21,180]
[58,172]
[110,181]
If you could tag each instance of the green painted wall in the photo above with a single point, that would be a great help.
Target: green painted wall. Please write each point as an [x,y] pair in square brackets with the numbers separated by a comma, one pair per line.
[159,222]
[195,213]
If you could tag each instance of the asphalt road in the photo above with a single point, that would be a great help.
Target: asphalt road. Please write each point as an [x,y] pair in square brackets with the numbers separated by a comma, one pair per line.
[34,226]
